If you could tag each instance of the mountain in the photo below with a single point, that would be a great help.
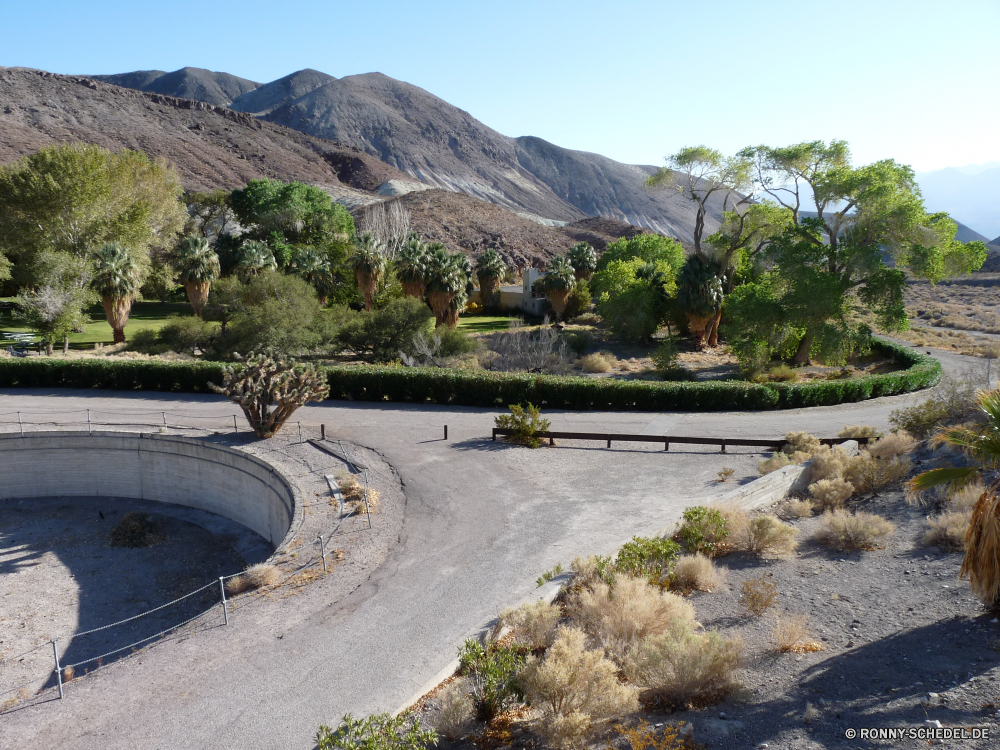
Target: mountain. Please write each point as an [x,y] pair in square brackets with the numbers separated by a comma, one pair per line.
[201,85]
[967,234]
[969,195]
[445,147]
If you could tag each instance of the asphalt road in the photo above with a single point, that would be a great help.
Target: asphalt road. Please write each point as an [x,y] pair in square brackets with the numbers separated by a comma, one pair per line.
[482,521]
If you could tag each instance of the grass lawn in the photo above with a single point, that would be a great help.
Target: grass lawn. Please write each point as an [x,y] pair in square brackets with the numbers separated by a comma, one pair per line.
[484,323]
[153,315]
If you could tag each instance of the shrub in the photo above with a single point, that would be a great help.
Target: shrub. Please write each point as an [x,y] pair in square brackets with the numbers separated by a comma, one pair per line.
[947,530]
[830,493]
[852,531]
[492,674]
[660,737]
[726,473]
[665,355]
[757,594]
[136,530]
[859,431]
[579,342]
[378,732]
[893,445]
[589,571]
[587,319]
[454,715]
[776,461]
[185,335]
[579,301]
[766,535]
[596,362]
[782,374]
[681,667]
[696,573]
[620,616]
[533,625]
[798,509]
[870,474]
[651,558]
[964,499]
[527,423]
[735,517]
[828,463]
[144,340]
[256,576]
[380,335]
[703,530]
[573,688]
[801,442]
[792,635]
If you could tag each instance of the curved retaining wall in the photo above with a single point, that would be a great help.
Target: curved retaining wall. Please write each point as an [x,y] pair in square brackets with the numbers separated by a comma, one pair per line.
[164,468]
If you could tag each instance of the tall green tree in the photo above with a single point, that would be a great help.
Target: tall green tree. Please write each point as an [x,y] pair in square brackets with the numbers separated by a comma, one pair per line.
[74,198]
[490,269]
[651,248]
[197,266]
[700,294]
[254,258]
[411,266]
[117,280]
[635,297]
[446,280]
[314,267]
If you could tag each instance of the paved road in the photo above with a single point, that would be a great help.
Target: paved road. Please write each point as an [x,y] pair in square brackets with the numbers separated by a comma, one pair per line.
[482,521]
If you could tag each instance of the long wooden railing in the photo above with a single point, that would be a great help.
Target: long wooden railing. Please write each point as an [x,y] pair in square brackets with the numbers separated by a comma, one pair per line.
[668,439]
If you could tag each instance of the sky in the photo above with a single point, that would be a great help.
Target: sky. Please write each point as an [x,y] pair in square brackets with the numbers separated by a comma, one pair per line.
[634,80]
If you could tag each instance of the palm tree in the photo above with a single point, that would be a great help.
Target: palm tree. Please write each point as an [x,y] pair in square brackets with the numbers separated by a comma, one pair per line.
[445,280]
[315,268]
[558,283]
[117,278]
[369,264]
[411,266]
[255,257]
[981,444]
[491,270]
[198,266]
[584,261]
[699,295]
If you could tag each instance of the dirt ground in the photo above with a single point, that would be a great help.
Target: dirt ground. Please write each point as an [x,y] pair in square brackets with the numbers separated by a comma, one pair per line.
[903,642]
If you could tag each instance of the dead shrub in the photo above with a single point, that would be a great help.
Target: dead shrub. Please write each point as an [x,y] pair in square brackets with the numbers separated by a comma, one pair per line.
[254,577]
[587,571]
[136,530]
[852,531]
[757,594]
[854,431]
[644,737]
[811,714]
[766,535]
[964,499]
[831,493]
[798,509]
[893,445]
[621,616]
[682,667]
[696,573]
[828,463]
[454,717]
[800,442]
[597,362]
[947,530]
[533,625]
[574,688]
[776,461]
[735,517]
[792,635]
[870,474]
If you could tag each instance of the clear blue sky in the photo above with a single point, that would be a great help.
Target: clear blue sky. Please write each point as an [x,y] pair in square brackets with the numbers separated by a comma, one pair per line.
[915,80]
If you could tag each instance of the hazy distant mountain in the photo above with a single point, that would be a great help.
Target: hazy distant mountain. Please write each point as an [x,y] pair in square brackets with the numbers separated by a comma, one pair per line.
[263,99]
[187,83]
[970,195]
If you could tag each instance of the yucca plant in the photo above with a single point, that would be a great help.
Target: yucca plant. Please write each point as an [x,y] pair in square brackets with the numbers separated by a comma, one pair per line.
[198,266]
[981,444]
[411,266]
[490,269]
[369,264]
[117,279]
[583,259]
[255,257]
[315,268]
[446,279]
[558,283]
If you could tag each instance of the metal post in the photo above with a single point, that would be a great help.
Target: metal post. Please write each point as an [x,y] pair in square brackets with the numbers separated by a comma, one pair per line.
[55,655]
[20,426]
[609,442]
[300,431]
[225,607]
[322,432]
[235,428]
[368,510]
[164,415]
[89,432]
[723,448]
[666,445]
[446,432]
[322,551]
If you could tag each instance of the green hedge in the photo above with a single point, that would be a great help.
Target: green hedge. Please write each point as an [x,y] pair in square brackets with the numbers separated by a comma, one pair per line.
[490,389]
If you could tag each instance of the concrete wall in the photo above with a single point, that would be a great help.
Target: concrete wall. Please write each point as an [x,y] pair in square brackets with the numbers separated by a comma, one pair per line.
[164,468]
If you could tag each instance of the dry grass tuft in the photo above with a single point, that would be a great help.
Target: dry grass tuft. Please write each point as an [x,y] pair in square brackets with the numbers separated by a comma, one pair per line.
[136,530]
[793,636]
[736,518]
[852,531]
[534,625]
[597,362]
[859,431]
[801,442]
[870,474]
[811,714]
[696,573]
[963,500]
[798,509]
[831,493]
[982,549]
[256,576]
[453,719]
[766,535]
[893,445]
[948,530]
[828,463]
[726,473]
[620,617]
[758,594]
[776,461]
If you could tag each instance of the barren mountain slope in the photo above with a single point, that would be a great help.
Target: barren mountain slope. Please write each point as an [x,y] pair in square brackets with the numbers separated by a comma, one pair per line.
[210,147]
[187,83]
[276,93]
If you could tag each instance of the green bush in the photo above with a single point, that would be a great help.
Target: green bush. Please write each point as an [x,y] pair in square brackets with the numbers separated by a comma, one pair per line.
[703,530]
[665,355]
[527,423]
[579,300]
[116,375]
[381,334]
[648,557]
[579,342]
[455,342]
[378,732]
[492,673]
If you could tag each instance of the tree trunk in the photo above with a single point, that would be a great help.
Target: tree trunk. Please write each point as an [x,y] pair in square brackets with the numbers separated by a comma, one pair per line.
[697,325]
[322,299]
[440,303]
[713,329]
[48,348]
[451,317]
[489,291]
[366,284]
[805,345]
[583,276]
[413,289]
[66,345]
[197,294]
[117,310]
[558,299]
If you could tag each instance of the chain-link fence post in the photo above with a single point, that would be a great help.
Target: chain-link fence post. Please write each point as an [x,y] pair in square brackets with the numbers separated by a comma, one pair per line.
[55,655]
[225,606]
[300,431]
[368,510]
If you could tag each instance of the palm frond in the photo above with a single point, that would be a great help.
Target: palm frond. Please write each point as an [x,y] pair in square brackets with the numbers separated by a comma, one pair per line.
[956,477]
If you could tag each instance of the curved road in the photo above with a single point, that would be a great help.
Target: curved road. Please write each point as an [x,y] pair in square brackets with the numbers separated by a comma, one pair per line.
[482,522]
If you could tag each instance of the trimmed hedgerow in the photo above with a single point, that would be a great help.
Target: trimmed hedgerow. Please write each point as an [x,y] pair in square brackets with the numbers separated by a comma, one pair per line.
[492,389]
